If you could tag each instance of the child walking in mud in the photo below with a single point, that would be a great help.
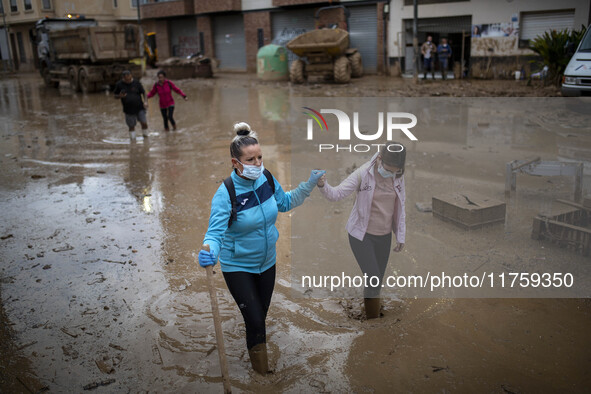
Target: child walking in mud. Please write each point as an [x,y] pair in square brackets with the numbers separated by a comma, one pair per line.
[242,235]
[378,211]
[164,88]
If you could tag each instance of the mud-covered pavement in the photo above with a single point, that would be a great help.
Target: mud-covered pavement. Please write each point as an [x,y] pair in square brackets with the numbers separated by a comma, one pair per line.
[100,289]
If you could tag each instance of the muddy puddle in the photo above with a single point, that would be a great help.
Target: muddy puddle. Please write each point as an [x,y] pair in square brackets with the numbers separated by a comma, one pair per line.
[100,289]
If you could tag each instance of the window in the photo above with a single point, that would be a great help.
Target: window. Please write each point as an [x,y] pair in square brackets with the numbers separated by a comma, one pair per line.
[13,6]
[28,5]
[46,4]
[1,7]
[114,3]
[134,3]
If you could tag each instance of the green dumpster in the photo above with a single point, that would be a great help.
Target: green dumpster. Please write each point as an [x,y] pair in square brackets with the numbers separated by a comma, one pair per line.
[272,63]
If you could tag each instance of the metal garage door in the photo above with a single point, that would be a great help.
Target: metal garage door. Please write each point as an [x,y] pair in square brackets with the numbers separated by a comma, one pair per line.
[184,39]
[535,24]
[363,34]
[230,45]
[287,25]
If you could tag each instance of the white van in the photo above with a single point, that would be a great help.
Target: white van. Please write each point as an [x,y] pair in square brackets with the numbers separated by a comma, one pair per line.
[577,76]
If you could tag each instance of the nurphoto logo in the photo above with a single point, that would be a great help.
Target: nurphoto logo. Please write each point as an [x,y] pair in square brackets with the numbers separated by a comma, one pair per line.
[393,120]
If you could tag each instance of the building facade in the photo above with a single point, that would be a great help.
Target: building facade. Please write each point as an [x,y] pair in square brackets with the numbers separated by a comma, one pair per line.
[17,45]
[232,31]
[490,36]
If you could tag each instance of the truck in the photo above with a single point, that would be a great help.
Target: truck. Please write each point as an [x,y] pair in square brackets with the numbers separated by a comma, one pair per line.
[86,55]
[577,75]
[325,51]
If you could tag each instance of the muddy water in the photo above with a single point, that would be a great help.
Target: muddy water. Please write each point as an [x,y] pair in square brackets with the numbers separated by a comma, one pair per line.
[99,283]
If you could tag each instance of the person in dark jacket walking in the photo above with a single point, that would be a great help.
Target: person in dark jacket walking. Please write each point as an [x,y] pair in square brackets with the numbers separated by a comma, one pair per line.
[443,53]
[135,104]
[243,238]
[164,88]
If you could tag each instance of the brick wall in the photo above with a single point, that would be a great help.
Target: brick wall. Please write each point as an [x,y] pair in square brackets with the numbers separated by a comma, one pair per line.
[162,39]
[204,25]
[327,18]
[166,9]
[252,22]
[204,6]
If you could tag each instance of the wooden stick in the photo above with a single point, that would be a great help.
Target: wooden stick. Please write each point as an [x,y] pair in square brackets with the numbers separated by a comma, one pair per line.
[526,163]
[219,335]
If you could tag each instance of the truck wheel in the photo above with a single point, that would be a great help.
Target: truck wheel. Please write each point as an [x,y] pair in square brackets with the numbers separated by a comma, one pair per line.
[342,70]
[85,85]
[297,71]
[356,65]
[73,79]
[47,78]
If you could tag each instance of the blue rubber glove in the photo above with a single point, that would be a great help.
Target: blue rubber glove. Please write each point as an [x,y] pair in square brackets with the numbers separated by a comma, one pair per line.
[315,175]
[206,258]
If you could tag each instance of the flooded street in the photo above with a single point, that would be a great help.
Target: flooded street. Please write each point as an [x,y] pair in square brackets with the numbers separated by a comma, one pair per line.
[100,286]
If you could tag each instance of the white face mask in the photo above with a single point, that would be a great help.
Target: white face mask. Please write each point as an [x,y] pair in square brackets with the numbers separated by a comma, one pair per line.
[251,171]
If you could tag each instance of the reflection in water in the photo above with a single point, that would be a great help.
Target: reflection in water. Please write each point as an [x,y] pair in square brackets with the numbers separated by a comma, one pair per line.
[140,173]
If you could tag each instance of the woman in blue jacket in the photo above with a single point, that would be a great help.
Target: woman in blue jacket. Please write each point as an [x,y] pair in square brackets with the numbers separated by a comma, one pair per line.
[243,238]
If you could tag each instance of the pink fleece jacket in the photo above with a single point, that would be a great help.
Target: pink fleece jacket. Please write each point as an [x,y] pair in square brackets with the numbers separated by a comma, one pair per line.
[363,182]
[165,93]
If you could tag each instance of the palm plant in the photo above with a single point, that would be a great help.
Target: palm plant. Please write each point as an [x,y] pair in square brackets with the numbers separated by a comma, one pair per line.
[553,46]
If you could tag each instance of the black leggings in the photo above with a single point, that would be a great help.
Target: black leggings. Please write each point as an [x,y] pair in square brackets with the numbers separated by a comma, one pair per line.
[167,115]
[372,256]
[252,293]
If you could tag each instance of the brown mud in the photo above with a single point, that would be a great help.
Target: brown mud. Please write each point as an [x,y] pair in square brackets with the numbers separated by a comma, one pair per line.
[100,289]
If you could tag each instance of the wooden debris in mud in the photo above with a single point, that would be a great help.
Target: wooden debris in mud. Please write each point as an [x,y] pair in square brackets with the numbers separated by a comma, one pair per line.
[468,210]
[94,385]
[568,225]
[104,367]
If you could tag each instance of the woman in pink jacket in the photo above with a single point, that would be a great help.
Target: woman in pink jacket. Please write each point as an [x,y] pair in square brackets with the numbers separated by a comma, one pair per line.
[378,211]
[164,88]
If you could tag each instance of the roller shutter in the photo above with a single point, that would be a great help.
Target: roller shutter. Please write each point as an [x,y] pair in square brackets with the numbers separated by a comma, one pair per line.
[363,35]
[229,41]
[184,39]
[536,23]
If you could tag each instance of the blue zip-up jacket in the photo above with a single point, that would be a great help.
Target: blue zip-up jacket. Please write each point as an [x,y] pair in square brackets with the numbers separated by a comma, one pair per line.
[248,245]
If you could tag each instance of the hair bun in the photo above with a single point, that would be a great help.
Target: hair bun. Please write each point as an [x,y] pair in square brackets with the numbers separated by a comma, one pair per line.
[242,128]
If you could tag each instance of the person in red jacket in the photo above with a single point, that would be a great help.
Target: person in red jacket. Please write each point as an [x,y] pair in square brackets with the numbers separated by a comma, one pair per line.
[164,88]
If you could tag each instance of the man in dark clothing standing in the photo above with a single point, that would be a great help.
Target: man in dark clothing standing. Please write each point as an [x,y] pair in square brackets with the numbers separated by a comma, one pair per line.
[444,53]
[133,98]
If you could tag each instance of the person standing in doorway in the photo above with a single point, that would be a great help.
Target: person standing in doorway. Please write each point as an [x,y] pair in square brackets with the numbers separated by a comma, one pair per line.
[444,53]
[135,104]
[428,51]
[164,88]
